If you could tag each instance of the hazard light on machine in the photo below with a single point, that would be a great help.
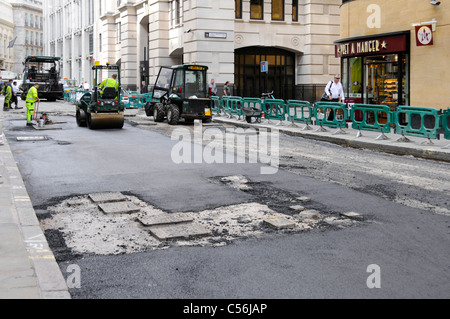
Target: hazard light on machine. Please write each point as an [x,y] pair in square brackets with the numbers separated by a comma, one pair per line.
[424,35]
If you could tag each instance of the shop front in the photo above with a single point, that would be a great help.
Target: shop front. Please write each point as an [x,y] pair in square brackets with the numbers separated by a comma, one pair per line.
[375,69]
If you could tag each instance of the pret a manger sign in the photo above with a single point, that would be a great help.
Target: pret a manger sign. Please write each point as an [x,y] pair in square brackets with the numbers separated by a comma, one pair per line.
[370,46]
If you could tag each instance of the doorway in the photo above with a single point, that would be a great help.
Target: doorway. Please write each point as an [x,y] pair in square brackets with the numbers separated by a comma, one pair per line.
[251,82]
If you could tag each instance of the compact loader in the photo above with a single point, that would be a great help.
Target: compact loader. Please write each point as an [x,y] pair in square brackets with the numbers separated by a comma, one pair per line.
[180,91]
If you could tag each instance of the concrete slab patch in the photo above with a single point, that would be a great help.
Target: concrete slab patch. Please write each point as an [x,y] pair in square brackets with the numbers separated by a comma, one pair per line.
[353,215]
[309,214]
[47,127]
[119,208]
[31,138]
[178,231]
[279,222]
[107,197]
[165,219]
[297,207]
[303,199]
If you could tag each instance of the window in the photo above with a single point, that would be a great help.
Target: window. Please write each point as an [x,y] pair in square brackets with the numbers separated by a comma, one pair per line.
[119,32]
[238,9]
[26,19]
[91,43]
[278,10]
[256,9]
[31,20]
[176,12]
[26,36]
[295,10]
[100,44]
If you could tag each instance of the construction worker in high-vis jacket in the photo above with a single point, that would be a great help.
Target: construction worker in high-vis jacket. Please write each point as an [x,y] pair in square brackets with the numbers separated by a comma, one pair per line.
[32,98]
[110,82]
[8,96]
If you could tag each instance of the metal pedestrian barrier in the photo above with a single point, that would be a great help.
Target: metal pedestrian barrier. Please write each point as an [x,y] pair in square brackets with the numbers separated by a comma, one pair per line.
[300,112]
[331,114]
[417,121]
[369,117]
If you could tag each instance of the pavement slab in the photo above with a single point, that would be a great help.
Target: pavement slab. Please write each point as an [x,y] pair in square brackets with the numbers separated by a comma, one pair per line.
[119,208]
[178,231]
[107,197]
[165,219]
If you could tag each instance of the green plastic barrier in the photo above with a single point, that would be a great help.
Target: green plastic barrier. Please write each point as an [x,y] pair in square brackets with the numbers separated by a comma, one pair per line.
[339,118]
[417,121]
[299,111]
[216,105]
[252,102]
[274,109]
[233,105]
[368,117]
[446,123]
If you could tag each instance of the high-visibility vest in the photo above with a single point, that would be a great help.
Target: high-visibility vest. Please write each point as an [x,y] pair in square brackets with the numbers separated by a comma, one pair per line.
[32,95]
[110,83]
[8,93]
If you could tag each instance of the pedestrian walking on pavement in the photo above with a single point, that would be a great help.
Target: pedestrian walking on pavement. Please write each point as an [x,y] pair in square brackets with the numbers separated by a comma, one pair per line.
[226,89]
[32,98]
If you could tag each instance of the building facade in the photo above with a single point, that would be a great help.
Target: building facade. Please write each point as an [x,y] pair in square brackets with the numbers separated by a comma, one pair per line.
[395,52]
[6,36]
[69,34]
[232,38]
[28,31]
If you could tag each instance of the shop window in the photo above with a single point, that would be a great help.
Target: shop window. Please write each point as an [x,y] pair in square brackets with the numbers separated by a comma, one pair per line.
[278,10]
[238,9]
[256,9]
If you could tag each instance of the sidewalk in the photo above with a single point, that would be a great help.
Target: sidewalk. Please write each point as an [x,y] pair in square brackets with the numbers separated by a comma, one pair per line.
[28,269]
[416,146]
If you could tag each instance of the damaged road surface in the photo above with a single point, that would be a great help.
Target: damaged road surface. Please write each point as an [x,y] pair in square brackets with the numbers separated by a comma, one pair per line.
[139,225]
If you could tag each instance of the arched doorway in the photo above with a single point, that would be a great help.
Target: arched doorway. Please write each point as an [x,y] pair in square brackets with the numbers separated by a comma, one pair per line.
[251,82]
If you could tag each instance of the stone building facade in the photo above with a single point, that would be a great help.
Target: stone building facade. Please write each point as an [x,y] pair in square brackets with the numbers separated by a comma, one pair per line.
[28,31]
[403,53]
[6,36]
[232,38]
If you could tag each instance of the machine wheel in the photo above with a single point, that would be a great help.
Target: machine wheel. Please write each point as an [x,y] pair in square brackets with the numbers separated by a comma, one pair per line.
[149,109]
[80,121]
[158,112]
[89,122]
[173,114]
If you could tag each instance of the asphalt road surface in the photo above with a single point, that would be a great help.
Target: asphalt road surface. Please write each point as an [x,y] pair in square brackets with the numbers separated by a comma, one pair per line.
[399,249]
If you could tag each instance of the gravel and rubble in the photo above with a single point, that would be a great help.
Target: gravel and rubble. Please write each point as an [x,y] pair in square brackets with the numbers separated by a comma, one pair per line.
[79,227]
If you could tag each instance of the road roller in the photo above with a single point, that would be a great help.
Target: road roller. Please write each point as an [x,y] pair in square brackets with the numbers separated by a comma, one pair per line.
[102,107]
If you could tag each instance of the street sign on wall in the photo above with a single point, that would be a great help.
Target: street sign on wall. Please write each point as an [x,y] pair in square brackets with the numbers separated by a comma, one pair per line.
[264,66]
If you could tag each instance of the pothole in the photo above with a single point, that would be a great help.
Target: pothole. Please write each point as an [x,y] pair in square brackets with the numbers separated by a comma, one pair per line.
[85,227]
